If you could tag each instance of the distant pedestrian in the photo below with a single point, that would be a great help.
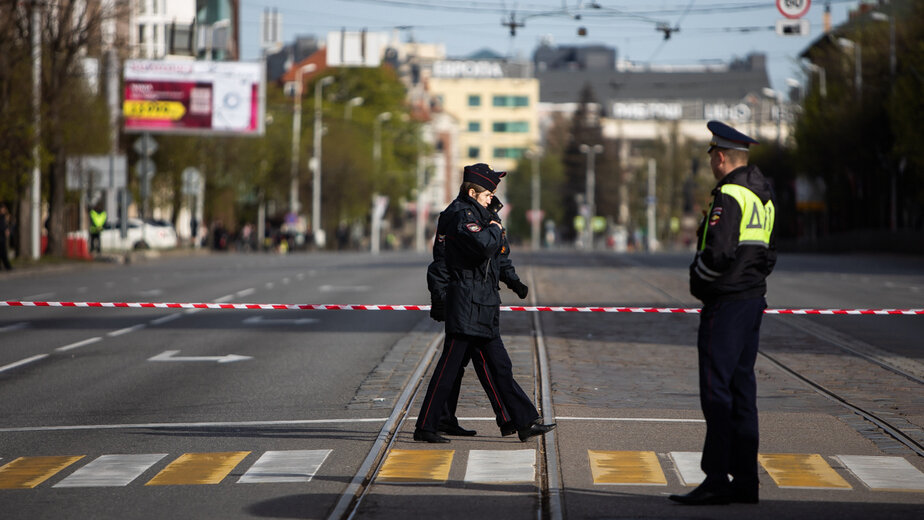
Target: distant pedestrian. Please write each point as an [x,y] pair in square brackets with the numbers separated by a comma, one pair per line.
[736,251]
[475,248]
[98,218]
[5,237]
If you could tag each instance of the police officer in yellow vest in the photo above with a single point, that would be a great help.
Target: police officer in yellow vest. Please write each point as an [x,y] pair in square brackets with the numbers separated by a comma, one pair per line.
[97,221]
[736,251]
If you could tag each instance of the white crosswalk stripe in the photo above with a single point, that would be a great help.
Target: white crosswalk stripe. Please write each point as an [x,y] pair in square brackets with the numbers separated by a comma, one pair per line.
[285,466]
[884,473]
[687,464]
[111,470]
[501,466]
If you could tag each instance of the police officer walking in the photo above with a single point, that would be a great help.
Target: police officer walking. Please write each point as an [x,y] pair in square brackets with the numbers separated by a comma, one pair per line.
[736,251]
[464,283]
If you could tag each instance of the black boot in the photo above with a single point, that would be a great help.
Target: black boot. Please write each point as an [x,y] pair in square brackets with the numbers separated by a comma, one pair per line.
[426,436]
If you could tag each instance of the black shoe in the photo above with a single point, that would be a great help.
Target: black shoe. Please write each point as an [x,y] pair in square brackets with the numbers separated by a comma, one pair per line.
[704,495]
[455,429]
[533,430]
[508,428]
[745,493]
[432,437]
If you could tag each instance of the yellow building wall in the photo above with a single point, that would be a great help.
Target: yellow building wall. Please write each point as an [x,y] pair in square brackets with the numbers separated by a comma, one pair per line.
[454,94]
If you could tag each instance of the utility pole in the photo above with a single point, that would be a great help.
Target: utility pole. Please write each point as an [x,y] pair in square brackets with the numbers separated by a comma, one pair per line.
[319,238]
[36,190]
[652,199]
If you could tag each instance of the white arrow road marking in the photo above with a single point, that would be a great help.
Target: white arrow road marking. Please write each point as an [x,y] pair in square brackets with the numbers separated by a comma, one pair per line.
[170,355]
[260,320]
[344,288]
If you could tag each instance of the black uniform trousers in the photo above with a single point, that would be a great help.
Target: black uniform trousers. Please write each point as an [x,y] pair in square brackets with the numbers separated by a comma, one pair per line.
[729,333]
[448,416]
[495,372]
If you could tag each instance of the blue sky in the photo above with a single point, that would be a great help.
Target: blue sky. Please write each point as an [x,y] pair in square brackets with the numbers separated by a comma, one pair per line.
[710,31]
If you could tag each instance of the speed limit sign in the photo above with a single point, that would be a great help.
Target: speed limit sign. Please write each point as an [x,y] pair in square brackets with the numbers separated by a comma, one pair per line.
[793,8]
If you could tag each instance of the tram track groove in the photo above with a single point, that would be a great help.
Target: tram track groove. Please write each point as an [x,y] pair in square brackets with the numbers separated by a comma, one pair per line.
[549,477]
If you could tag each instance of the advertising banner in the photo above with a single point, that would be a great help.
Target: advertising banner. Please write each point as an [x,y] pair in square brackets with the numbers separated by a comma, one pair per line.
[194,97]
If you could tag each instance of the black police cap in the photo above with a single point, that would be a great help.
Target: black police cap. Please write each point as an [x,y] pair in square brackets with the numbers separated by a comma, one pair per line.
[482,175]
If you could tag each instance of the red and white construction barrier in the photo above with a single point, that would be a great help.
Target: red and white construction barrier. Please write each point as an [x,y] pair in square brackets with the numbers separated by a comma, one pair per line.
[358,307]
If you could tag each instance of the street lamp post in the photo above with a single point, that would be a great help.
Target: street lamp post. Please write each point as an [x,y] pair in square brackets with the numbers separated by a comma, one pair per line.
[297,135]
[377,139]
[858,64]
[316,184]
[822,85]
[535,222]
[590,186]
[376,224]
[348,110]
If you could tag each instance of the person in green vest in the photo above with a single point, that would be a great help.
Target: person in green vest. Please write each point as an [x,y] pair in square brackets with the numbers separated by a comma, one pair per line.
[97,221]
[736,251]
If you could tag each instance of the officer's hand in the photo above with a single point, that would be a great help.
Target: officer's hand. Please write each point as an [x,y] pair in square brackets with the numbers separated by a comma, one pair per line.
[437,309]
[520,288]
[496,223]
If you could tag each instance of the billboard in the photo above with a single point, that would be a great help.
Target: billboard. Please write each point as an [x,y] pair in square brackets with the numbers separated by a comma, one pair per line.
[194,97]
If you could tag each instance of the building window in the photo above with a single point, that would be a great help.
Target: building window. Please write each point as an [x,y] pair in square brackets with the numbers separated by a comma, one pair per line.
[511,101]
[508,153]
[474,100]
[474,126]
[473,152]
[511,126]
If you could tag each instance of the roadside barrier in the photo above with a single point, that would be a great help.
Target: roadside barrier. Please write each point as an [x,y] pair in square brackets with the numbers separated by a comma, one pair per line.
[361,307]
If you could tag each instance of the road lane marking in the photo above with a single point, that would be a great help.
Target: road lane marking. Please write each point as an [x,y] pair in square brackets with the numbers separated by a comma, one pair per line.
[687,464]
[260,320]
[224,299]
[228,424]
[636,468]
[416,466]
[198,468]
[285,466]
[882,473]
[501,466]
[111,470]
[28,472]
[627,419]
[165,319]
[246,292]
[15,326]
[801,471]
[171,355]
[81,343]
[38,296]
[22,362]
[126,330]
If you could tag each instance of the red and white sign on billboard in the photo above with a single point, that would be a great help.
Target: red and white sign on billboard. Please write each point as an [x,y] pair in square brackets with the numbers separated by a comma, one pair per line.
[793,8]
[194,97]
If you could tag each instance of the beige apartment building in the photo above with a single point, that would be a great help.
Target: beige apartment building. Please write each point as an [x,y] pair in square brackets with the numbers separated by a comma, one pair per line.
[494,103]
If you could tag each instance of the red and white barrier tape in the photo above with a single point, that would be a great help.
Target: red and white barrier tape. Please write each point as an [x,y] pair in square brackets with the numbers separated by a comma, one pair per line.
[358,307]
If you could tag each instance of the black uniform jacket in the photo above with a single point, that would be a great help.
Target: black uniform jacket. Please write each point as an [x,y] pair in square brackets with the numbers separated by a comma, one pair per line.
[470,257]
[740,269]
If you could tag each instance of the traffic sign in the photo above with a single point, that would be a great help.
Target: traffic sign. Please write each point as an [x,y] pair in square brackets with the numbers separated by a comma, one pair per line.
[792,27]
[145,145]
[145,167]
[191,178]
[793,8]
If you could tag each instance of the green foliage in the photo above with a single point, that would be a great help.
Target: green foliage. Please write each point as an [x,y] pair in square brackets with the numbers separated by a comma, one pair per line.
[859,145]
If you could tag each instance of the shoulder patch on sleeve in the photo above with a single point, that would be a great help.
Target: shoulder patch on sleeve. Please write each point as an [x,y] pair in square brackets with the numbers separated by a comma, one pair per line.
[716,215]
[473,227]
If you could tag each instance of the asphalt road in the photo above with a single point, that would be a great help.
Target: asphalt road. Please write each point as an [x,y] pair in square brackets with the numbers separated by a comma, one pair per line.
[317,386]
